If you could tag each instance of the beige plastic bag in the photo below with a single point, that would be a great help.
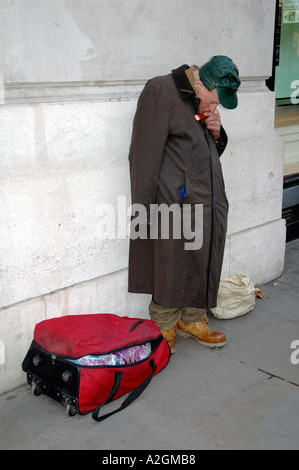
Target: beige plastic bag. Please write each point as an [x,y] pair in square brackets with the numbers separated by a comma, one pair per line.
[236,297]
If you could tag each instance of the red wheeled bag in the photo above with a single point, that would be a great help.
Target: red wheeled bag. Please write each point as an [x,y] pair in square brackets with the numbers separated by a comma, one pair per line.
[70,360]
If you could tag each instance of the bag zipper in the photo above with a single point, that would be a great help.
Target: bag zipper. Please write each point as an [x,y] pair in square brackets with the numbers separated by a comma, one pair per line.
[70,359]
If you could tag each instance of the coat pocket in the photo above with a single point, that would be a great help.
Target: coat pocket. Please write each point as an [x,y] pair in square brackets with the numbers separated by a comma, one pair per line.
[172,192]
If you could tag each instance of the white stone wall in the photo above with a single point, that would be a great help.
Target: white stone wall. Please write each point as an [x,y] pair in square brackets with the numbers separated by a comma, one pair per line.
[290,134]
[72,73]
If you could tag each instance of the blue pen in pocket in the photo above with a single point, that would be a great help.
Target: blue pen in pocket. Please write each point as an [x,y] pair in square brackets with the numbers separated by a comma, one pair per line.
[183,192]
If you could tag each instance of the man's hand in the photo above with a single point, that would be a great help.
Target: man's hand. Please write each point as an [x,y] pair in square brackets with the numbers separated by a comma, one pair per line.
[213,123]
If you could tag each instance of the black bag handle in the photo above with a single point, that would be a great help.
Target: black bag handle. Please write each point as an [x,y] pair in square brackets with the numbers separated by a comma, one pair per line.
[132,397]
[135,325]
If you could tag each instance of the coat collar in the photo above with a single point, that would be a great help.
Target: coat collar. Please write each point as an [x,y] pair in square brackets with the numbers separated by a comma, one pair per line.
[182,83]
[184,86]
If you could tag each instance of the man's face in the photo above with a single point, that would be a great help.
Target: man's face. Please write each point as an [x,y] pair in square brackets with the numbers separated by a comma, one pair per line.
[209,100]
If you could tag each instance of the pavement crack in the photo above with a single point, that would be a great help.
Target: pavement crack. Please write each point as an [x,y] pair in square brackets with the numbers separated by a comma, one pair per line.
[271,376]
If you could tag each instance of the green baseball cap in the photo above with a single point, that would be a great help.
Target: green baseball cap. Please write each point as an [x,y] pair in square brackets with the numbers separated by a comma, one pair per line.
[221,73]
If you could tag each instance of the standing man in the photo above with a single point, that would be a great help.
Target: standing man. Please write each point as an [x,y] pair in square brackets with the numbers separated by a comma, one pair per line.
[174,160]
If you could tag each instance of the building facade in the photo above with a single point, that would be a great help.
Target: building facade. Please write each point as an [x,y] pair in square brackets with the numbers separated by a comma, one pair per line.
[72,72]
[285,83]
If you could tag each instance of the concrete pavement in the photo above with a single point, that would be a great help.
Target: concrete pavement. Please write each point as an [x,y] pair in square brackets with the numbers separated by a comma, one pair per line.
[244,396]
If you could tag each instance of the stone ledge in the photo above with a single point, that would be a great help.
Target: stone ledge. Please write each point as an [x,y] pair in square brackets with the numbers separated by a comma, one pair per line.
[99,90]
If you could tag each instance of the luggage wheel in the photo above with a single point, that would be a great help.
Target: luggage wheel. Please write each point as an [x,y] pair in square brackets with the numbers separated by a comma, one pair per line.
[70,410]
[36,388]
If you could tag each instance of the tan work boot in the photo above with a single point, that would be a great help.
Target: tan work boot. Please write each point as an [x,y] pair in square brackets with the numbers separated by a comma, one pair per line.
[202,333]
[170,336]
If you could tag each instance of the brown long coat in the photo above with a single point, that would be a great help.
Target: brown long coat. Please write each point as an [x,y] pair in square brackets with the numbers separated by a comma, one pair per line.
[170,150]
